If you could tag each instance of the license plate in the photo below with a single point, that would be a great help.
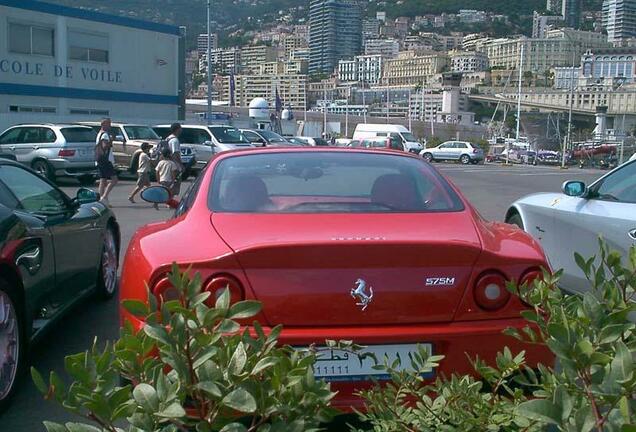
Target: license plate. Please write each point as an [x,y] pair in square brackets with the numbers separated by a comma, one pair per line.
[337,365]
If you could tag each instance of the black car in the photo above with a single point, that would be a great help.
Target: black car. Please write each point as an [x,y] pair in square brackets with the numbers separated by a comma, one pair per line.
[54,251]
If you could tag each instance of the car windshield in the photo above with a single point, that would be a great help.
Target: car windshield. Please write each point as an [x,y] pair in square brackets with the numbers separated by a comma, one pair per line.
[79,134]
[272,137]
[328,182]
[140,133]
[409,136]
[229,135]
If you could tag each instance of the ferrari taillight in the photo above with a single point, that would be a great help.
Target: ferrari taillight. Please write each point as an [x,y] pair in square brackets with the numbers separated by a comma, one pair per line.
[218,283]
[490,291]
[165,291]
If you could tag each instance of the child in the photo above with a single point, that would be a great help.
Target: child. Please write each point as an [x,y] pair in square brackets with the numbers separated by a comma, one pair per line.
[167,171]
[143,171]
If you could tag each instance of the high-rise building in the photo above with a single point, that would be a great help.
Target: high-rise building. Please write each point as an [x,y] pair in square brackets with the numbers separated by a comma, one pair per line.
[619,19]
[335,32]
[553,6]
[571,11]
[542,23]
[202,43]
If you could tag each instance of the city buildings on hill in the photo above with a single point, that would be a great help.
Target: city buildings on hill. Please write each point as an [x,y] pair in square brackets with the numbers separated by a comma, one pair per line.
[542,23]
[363,68]
[468,61]
[571,11]
[388,48]
[202,43]
[412,69]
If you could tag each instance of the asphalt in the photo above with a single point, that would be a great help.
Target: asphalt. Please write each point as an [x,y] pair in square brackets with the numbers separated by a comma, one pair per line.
[490,188]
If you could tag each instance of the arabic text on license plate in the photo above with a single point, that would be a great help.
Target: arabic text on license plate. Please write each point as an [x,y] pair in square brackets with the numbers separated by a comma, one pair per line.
[336,365]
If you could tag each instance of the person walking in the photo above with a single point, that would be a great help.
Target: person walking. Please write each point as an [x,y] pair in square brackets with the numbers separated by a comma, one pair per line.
[167,172]
[143,171]
[104,159]
[175,148]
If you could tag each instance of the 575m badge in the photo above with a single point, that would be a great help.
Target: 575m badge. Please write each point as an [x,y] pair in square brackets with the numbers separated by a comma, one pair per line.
[440,281]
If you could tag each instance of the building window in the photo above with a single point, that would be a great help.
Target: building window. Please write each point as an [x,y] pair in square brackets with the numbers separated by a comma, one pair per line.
[88,47]
[89,112]
[31,39]
[31,109]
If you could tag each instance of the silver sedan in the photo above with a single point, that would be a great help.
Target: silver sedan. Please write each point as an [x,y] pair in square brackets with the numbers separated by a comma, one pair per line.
[573,221]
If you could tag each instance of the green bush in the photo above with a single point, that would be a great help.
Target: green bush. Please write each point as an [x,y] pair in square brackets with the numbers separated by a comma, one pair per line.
[193,368]
[592,389]
[209,375]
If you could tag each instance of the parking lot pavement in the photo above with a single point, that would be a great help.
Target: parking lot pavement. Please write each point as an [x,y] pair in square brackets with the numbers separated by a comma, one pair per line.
[491,188]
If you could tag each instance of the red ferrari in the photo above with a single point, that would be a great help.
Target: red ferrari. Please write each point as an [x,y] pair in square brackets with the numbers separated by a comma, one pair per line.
[364,245]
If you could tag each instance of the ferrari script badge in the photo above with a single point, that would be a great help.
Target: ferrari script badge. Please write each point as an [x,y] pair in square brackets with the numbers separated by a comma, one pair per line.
[359,293]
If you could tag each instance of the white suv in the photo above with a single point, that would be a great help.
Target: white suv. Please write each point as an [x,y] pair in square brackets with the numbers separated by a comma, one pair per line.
[462,151]
[53,150]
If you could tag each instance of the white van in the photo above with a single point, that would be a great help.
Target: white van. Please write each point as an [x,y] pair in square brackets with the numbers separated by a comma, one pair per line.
[369,130]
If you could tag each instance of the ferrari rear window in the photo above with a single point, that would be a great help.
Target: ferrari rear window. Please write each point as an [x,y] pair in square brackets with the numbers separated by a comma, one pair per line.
[328,182]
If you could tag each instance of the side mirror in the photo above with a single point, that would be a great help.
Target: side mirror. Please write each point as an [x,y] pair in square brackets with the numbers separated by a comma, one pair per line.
[209,143]
[156,195]
[574,188]
[86,196]
[119,138]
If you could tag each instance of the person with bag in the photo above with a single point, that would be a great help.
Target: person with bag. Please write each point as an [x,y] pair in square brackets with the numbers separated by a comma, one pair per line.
[105,161]
[174,147]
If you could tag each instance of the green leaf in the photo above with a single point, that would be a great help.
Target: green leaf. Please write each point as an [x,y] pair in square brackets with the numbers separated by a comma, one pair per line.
[234,427]
[146,396]
[263,364]
[223,302]
[174,411]
[210,388]
[157,333]
[540,409]
[54,427]
[39,381]
[240,400]
[238,360]
[80,427]
[136,307]
[244,309]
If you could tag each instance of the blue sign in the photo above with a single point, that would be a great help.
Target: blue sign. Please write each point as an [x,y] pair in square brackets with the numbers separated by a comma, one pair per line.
[85,73]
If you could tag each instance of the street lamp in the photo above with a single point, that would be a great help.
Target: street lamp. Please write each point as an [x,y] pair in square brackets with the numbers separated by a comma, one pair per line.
[209,75]
[567,142]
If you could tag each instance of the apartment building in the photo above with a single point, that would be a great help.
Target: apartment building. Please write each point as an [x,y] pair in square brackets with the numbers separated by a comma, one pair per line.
[411,69]
[364,68]
[388,48]
[291,89]
[253,56]
[468,61]
[202,42]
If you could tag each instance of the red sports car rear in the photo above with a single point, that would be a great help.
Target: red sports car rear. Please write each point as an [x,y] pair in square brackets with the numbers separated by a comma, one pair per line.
[370,246]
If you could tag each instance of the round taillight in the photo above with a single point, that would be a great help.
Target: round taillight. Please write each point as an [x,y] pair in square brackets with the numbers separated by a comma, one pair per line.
[490,292]
[530,277]
[165,291]
[218,283]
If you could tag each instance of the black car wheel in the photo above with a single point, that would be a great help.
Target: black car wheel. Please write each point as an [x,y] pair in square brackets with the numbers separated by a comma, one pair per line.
[465,159]
[428,157]
[12,342]
[107,276]
[515,219]
[43,168]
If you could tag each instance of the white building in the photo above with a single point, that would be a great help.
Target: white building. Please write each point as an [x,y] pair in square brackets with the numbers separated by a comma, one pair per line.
[468,61]
[565,77]
[471,16]
[364,68]
[202,43]
[64,64]
[389,48]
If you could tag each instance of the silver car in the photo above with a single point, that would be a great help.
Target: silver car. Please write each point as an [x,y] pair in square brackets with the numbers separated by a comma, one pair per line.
[572,221]
[461,151]
[53,150]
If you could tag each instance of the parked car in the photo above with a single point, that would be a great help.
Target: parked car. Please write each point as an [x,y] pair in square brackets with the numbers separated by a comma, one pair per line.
[370,130]
[265,138]
[462,151]
[298,141]
[548,157]
[54,251]
[577,217]
[53,150]
[314,141]
[405,261]
[206,141]
[378,143]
